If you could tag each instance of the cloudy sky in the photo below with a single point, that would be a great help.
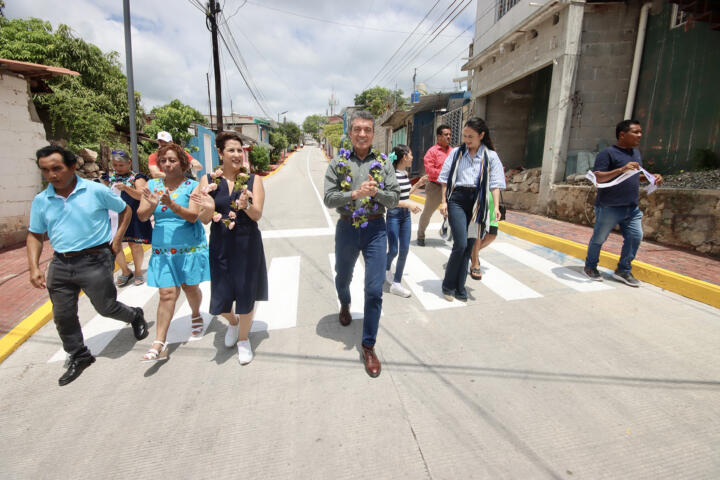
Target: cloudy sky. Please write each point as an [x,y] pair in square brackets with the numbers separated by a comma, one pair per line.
[296,52]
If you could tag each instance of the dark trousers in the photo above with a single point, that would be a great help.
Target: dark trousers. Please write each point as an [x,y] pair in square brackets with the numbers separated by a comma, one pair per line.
[93,274]
[399,225]
[372,242]
[460,208]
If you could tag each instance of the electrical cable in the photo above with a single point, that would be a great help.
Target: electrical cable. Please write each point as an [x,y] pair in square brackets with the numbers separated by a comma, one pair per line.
[402,44]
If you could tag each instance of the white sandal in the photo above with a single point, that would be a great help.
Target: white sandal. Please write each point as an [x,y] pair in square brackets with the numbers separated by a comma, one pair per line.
[197,324]
[153,355]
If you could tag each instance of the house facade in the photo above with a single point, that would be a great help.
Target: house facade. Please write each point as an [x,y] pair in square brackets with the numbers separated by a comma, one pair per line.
[22,133]
[552,80]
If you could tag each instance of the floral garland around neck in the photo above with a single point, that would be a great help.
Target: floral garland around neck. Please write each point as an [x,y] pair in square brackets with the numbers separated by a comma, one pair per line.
[359,216]
[240,184]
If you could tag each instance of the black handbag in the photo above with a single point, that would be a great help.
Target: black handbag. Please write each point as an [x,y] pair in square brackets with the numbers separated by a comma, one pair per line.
[502,209]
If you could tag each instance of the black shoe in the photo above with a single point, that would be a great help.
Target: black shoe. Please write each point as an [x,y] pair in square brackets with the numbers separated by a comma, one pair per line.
[139,325]
[627,278]
[420,242]
[593,274]
[75,368]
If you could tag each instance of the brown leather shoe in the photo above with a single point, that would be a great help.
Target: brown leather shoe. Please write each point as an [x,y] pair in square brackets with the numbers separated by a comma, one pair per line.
[372,362]
[344,315]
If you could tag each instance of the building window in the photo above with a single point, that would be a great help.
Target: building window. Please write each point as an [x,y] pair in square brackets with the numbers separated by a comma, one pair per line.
[503,6]
[453,119]
[678,17]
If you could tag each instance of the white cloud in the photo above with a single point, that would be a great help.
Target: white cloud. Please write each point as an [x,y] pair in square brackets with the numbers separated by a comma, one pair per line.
[301,60]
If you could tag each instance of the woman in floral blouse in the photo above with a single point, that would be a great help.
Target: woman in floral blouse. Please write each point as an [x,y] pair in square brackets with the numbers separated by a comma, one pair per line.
[130,185]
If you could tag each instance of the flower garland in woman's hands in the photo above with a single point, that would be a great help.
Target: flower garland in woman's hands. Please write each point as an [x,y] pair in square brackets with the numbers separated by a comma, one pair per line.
[117,181]
[240,185]
[359,216]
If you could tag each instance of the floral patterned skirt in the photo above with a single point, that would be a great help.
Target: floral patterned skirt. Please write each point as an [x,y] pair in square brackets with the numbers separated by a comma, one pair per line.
[174,266]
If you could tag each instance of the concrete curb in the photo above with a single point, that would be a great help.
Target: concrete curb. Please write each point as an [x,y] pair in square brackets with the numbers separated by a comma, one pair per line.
[689,287]
[33,322]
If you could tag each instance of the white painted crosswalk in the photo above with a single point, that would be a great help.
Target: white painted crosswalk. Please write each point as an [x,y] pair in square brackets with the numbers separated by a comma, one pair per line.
[424,281]
[567,276]
[499,282]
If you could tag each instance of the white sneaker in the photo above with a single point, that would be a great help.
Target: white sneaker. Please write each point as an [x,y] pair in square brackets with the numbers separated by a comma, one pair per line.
[245,353]
[231,335]
[389,276]
[399,290]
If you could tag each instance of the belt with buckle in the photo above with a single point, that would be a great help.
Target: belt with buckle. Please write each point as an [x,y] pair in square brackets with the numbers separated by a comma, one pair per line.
[349,219]
[465,188]
[85,251]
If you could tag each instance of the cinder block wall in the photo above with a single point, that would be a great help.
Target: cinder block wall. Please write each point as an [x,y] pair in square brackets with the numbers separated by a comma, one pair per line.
[21,134]
[601,86]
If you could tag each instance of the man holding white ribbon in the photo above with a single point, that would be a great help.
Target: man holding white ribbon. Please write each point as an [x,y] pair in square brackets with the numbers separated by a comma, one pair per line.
[616,174]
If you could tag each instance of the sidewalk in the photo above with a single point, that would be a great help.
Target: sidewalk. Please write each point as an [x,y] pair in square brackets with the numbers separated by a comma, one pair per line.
[17,297]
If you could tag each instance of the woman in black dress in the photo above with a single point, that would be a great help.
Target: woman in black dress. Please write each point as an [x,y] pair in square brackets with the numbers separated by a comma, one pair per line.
[129,185]
[233,201]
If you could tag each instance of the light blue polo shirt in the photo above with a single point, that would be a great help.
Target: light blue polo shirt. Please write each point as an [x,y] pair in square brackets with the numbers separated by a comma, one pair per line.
[79,221]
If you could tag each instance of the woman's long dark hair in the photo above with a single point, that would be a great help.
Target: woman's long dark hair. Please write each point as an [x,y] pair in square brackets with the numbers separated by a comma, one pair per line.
[400,151]
[479,125]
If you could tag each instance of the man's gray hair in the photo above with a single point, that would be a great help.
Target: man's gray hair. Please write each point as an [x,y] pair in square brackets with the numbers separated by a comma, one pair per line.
[363,115]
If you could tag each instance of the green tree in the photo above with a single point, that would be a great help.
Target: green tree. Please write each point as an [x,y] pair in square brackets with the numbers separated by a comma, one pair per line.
[292,132]
[174,118]
[333,133]
[259,159]
[313,124]
[378,100]
[279,142]
[86,109]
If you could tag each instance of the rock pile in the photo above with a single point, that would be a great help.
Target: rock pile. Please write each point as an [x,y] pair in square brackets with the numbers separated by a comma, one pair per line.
[87,164]
[519,180]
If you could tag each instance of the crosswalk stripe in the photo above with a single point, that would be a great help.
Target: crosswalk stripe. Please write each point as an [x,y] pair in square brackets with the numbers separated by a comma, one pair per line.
[500,282]
[567,276]
[426,286]
[280,311]
[357,287]
[179,331]
[100,331]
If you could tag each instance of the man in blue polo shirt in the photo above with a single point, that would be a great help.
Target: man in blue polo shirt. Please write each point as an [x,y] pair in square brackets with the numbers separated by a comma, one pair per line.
[74,213]
[618,205]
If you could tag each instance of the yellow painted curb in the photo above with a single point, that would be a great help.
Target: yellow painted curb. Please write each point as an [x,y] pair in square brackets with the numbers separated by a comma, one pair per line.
[689,287]
[279,166]
[33,322]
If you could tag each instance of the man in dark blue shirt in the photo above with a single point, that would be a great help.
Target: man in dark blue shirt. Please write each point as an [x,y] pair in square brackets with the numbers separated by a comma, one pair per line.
[618,205]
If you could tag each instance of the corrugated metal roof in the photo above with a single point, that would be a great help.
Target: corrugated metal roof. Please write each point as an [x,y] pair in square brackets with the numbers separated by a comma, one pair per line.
[34,70]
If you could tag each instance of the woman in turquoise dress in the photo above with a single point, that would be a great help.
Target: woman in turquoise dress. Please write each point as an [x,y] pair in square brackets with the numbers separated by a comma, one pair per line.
[179,257]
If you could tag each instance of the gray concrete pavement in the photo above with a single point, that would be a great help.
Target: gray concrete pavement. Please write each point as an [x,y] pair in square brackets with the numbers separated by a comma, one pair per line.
[571,383]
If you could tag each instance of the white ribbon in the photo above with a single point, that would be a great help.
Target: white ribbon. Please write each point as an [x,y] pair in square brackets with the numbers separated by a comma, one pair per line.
[622,177]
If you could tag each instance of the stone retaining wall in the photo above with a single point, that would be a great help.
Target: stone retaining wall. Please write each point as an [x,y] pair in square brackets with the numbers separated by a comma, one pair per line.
[685,218]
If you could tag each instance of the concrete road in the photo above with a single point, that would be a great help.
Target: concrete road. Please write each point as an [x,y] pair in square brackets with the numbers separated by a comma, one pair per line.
[540,375]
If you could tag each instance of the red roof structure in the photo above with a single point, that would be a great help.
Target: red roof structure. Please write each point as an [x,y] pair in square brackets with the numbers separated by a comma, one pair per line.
[34,70]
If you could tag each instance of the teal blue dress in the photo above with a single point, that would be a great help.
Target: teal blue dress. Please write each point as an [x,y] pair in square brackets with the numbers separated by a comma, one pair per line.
[179,248]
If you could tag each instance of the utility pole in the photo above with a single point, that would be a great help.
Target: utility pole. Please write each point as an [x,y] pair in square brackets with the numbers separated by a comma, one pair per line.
[414,75]
[130,85]
[214,9]
[207,77]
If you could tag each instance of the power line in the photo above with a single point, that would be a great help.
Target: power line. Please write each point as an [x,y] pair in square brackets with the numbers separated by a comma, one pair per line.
[242,59]
[325,20]
[420,46]
[245,75]
[402,44]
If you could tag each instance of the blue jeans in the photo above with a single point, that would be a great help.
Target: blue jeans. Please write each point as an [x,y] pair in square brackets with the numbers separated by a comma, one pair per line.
[372,242]
[399,225]
[460,208]
[630,221]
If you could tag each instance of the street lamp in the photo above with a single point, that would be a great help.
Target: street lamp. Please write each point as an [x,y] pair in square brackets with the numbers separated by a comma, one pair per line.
[281,113]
